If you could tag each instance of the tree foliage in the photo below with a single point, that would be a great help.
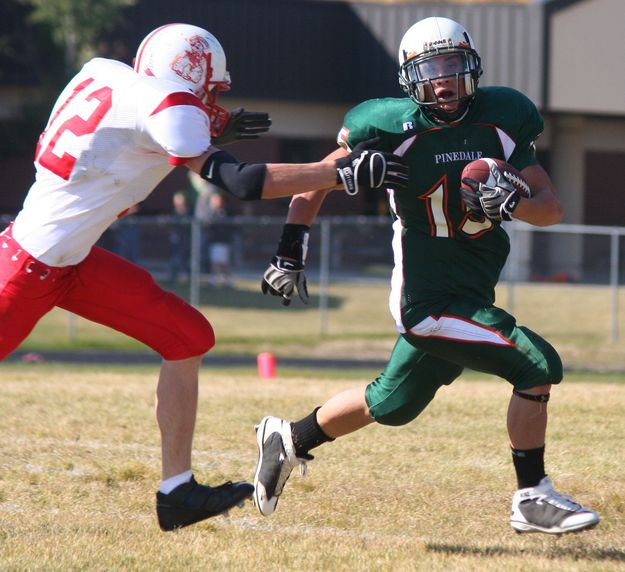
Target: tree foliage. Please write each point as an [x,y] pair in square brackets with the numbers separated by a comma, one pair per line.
[76,25]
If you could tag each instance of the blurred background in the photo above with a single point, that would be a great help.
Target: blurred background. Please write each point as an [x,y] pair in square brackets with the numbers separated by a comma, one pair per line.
[307,63]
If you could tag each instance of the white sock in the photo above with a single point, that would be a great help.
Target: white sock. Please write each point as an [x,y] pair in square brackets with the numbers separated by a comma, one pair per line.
[171,483]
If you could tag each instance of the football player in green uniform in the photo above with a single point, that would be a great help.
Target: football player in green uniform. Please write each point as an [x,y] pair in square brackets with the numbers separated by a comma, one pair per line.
[449,248]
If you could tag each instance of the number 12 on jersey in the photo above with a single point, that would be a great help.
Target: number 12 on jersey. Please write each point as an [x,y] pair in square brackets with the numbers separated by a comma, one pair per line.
[61,162]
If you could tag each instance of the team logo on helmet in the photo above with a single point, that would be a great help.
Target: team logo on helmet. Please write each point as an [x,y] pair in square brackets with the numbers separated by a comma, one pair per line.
[191,65]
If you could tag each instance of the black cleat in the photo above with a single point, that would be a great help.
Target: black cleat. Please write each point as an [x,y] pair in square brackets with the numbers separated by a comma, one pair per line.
[191,502]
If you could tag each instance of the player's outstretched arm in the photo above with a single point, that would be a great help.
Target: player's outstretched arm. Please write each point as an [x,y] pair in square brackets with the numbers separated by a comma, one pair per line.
[361,169]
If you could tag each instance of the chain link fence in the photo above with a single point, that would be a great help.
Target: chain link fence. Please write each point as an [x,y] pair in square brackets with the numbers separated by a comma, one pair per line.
[358,249]
[184,252]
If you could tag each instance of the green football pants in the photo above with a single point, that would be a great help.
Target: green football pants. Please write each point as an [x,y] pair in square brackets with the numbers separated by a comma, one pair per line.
[435,352]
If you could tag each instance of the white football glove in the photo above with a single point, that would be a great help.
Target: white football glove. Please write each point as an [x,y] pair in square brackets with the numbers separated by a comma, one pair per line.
[497,201]
[282,278]
[285,274]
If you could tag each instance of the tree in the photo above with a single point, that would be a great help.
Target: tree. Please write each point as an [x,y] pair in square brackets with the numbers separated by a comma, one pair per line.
[76,25]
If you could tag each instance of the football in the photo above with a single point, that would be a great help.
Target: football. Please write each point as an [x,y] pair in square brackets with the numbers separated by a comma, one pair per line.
[479,171]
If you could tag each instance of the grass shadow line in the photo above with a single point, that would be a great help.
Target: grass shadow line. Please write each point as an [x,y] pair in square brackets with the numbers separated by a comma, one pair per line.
[570,553]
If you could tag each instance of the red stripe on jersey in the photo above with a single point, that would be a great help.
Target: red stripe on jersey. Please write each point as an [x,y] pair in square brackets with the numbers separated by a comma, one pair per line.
[177,161]
[179,98]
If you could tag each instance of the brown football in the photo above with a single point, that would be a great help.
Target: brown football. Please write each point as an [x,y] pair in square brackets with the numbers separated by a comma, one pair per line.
[479,170]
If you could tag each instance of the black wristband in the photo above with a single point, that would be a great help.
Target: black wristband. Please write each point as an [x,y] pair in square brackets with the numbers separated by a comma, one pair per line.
[512,202]
[293,241]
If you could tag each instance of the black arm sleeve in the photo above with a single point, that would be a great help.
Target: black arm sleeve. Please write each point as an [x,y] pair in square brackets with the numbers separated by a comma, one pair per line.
[243,180]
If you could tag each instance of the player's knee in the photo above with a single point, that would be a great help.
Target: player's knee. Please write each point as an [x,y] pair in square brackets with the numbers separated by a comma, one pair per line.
[205,340]
[395,408]
[193,333]
[545,370]
[396,417]
[200,337]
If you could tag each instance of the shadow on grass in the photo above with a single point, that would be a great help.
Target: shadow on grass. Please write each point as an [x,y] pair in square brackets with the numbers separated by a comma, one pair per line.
[243,298]
[568,552]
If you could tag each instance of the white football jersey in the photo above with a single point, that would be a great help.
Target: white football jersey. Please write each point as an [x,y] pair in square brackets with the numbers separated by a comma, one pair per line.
[113,135]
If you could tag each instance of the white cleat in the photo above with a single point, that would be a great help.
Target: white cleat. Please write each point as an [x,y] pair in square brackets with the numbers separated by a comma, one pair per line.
[542,509]
[276,461]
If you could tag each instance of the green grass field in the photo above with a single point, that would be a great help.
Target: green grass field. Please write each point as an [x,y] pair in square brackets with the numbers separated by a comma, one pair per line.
[575,319]
[80,461]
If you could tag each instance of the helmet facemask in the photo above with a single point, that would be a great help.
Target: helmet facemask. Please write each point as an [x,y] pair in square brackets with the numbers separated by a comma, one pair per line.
[209,94]
[439,77]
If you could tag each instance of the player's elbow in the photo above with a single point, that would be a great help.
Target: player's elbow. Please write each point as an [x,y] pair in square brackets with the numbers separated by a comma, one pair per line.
[553,214]
[244,180]
[187,149]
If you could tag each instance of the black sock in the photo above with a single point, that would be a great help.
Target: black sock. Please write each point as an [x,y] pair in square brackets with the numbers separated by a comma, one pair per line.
[307,434]
[529,466]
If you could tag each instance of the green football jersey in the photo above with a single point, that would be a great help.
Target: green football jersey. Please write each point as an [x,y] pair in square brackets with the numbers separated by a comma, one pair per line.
[441,251]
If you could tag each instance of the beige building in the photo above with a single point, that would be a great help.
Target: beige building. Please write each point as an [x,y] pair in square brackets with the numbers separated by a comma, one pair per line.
[308,62]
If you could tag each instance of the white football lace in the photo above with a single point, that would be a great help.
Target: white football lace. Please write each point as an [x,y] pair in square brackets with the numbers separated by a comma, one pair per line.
[561,501]
[517,181]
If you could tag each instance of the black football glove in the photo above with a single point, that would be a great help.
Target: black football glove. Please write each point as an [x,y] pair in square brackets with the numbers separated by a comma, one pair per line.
[497,201]
[285,274]
[471,199]
[243,125]
[367,168]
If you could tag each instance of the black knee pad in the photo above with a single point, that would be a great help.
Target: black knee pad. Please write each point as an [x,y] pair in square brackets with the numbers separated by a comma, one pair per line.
[541,398]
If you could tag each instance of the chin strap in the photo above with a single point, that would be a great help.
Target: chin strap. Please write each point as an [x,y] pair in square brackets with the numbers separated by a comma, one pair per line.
[446,118]
[543,398]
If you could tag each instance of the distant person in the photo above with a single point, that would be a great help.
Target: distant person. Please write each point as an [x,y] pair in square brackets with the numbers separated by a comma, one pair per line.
[204,192]
[114,133]
[219,234]
[179,237]
[127,235]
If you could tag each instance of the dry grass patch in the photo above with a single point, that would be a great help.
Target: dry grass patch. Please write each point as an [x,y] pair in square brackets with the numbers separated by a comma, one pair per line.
[80,462]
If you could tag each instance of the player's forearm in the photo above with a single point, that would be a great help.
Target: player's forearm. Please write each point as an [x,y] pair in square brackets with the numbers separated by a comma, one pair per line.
[305,207]
[253,181]
[285,179]
[543,209]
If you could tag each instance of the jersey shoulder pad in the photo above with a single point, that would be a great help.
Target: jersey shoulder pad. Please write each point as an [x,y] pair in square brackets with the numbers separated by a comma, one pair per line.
[516,115]
[176,119]
[375,118]
[509,109]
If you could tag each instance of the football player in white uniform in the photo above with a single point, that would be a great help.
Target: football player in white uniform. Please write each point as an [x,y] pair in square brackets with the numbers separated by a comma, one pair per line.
[113,134]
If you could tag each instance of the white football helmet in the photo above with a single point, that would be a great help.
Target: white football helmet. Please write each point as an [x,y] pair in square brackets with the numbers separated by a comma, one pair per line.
[192,57]
[437,50]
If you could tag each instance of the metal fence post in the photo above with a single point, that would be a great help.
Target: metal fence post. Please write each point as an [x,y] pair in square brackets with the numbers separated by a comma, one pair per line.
[324,276]
[614,268]
[512,268]
[71,326]
[196,252]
